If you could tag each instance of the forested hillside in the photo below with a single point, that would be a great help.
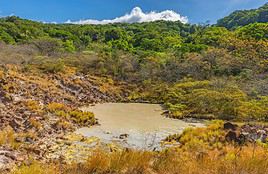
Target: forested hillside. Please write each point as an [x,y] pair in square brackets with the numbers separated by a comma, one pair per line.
[194,70]
[211,72]
[244,17]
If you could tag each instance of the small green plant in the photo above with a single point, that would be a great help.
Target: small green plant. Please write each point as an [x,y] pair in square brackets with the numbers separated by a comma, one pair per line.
[83,118]
[75,115]
[52,66]
[8,138]
[33,106]
[53,107]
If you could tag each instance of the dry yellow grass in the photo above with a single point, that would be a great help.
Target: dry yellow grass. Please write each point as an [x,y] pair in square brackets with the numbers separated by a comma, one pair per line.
[7,137]
[230,160]
[199,153]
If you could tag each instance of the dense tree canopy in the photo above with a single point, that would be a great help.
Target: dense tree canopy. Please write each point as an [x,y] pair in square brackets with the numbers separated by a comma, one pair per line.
[245,17]
[194,70]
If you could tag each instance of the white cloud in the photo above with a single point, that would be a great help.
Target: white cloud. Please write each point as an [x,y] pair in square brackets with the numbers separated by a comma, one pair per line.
[137,16]
[53,22]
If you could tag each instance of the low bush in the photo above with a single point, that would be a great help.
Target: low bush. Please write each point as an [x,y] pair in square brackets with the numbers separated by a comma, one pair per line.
[53,107]
[8,138]
[52,66]
[77,116]
[82,118]
[205,100]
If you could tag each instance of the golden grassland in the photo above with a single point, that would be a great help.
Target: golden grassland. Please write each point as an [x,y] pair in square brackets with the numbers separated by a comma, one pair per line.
[202,151]
[229,160]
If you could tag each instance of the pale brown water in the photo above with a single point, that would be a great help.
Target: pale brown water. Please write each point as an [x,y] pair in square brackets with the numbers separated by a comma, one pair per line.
[144,123]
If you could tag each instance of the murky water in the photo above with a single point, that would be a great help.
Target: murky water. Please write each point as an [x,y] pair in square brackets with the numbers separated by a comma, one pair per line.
[134,125]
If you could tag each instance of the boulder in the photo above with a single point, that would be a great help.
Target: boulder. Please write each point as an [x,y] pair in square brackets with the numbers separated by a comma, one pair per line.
[230,126]
[123,136]
[7,160]
[231,136]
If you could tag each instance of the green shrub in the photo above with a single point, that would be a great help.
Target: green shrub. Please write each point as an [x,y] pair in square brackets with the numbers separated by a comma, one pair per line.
[83,118]
[51,66]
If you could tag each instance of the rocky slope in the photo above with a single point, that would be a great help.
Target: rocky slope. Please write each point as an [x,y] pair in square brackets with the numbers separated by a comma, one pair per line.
[38,110]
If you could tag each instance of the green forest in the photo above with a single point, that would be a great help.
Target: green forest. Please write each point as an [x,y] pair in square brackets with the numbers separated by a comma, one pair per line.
[202,71]
[195,71]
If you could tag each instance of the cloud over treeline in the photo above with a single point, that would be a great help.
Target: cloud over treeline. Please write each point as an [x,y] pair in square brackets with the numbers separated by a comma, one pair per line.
[138,16]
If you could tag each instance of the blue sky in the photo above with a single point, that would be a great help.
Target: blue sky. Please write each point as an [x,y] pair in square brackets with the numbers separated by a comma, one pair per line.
[197,11]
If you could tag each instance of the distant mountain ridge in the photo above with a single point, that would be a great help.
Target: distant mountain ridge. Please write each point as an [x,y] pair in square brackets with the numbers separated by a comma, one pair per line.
[244,17]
